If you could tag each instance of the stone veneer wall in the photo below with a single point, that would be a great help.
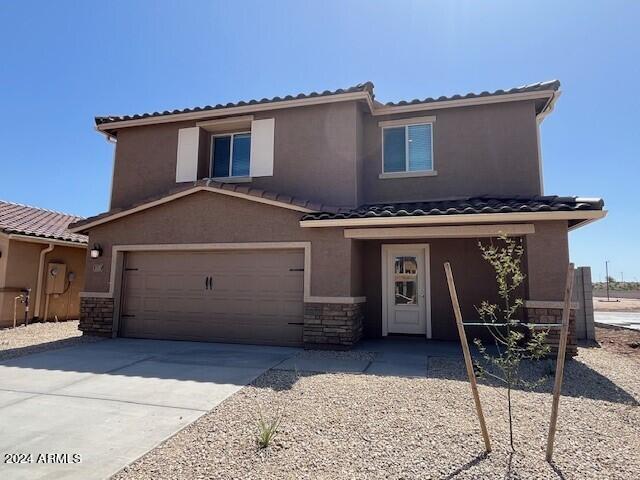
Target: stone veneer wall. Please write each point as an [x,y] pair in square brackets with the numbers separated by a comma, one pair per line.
[554,315]
[96,316]
[332,325]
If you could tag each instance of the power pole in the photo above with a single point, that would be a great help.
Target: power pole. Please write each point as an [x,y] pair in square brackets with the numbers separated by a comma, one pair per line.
[606,268]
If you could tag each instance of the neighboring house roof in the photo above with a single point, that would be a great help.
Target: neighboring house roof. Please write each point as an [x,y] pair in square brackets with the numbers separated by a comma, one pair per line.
[463,206]
[230,189]
[38,222]
[366,89]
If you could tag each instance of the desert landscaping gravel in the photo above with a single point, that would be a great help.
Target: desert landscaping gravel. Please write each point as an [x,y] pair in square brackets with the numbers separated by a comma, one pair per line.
[38,337]
[337,426]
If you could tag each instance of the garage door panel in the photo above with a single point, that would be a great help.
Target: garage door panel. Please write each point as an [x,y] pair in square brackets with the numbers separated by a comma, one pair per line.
[257,296]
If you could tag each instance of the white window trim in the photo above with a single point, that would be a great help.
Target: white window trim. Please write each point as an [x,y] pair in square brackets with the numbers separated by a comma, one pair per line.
[407,121]
[234,178]
[408,173]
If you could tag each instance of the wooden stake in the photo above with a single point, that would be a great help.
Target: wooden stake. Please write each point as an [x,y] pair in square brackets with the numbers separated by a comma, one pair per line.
[467,355]
[562,347]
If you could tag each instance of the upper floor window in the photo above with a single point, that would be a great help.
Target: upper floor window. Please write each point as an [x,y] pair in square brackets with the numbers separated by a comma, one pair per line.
[407,148]
[231,155]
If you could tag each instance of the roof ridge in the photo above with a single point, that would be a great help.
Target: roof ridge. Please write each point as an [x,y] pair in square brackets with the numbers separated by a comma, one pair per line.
[16,204]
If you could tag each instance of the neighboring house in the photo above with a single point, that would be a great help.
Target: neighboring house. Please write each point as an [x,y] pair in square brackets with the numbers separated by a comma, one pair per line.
[41,259]
[319,218]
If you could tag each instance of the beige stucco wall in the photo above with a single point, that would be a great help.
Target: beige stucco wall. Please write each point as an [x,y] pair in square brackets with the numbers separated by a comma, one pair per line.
[480,150]
[314,156]
[207,217]
[474,278]
[21,271]
[4,255]
[544,263]
[331,153]
[66,305]
[547,260]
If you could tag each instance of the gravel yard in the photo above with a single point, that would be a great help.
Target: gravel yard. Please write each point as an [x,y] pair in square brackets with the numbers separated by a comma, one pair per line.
[366,426]
[39,337]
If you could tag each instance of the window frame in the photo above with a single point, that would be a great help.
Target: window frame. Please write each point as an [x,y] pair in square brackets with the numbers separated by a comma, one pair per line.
[406,124]
[230,164]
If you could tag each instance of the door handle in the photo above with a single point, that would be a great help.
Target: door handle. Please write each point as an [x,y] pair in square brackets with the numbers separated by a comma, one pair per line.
[210,283]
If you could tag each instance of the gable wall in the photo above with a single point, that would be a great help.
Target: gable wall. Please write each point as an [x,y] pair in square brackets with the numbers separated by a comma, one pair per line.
[207,217]
[314,156]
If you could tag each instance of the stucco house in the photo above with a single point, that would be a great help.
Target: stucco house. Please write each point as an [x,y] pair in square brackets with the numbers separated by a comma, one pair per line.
[318,219]
[42,260]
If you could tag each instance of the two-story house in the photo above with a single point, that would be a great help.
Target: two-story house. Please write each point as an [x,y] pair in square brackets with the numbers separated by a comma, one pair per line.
[320,218]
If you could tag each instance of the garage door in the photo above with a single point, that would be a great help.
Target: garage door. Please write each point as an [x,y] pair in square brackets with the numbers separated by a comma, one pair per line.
[226,296]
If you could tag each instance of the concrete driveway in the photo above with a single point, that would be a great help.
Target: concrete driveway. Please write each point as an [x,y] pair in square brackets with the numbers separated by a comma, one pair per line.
[619,319]
[95,408]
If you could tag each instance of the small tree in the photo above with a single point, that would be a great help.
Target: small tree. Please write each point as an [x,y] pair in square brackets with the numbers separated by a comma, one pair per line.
[515,341]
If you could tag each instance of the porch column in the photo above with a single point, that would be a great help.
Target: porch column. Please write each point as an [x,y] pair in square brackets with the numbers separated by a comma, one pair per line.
[547,258]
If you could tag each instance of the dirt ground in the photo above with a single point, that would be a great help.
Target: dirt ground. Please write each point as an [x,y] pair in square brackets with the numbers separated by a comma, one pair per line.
[619,340]
[619,305]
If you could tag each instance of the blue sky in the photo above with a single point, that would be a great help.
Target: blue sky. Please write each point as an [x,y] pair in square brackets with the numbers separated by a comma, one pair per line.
[64,62]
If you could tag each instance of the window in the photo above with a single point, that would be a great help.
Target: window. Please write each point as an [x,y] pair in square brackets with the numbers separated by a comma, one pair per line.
[230,155]
[407,148]
[405,279]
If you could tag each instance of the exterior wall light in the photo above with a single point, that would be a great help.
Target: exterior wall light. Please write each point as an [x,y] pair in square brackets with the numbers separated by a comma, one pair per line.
[96,251]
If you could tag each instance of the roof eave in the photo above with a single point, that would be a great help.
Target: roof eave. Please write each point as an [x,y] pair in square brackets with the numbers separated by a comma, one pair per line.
[237,110]
[46,240]
[584,216]
[549,106]
[464,102]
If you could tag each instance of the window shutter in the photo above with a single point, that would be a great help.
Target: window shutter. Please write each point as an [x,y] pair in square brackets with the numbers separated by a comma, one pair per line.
[262,132]
[187,157]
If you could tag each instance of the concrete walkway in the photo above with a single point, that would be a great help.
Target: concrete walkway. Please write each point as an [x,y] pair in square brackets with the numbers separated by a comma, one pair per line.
[100,406]
[619,319]
[398,357]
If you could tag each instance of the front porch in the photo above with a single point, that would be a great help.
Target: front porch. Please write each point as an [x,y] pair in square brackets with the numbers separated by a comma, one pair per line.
[400,288]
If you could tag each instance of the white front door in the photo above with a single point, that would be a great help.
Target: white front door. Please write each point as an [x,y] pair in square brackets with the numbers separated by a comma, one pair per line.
[405,289]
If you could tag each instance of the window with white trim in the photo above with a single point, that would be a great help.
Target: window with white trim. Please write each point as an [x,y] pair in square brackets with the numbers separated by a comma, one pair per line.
[231,155]
[407,148]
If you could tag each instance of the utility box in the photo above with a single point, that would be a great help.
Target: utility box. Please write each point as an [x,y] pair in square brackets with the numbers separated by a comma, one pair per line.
[56,276]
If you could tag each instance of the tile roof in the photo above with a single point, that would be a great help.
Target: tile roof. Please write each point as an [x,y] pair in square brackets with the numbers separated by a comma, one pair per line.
[553,85]
[232,187]
[462,206]
[533,87]
[361,87]
[37,222]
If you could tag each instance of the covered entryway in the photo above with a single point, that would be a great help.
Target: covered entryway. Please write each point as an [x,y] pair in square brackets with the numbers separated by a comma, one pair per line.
[244,296]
